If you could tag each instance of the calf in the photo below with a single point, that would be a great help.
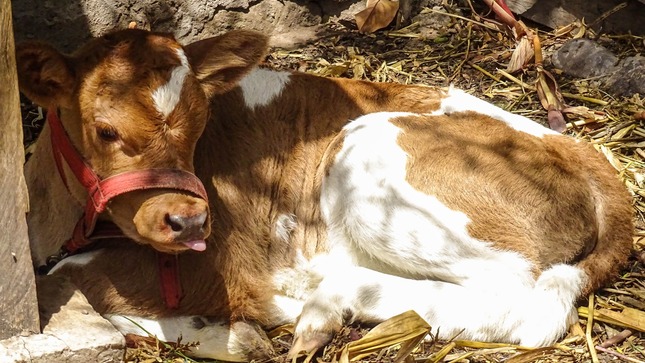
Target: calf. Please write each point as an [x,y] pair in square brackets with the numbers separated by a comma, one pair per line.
[328,199]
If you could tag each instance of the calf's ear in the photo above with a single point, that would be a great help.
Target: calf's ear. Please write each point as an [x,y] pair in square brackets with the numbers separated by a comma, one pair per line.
[220,62]
[44,74]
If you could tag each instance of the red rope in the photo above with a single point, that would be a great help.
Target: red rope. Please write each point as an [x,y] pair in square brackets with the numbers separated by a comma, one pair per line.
[100,192]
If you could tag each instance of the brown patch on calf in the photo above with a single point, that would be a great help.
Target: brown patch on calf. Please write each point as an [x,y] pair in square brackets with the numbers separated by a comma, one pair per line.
[614,215]
[553,200]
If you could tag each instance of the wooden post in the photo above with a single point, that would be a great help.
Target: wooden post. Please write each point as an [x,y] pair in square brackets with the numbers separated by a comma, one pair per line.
[18,305]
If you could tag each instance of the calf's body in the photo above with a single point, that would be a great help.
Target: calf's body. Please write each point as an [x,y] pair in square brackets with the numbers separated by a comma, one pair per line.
[331,198]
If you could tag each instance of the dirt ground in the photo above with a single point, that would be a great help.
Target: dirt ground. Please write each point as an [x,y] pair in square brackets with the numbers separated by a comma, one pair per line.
[451,44]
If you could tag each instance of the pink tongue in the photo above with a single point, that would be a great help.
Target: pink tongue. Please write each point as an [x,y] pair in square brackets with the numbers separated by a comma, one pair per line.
[199,245]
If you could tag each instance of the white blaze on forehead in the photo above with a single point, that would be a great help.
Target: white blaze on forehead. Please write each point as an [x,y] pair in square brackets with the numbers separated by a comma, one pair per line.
[167,96]
[261,86]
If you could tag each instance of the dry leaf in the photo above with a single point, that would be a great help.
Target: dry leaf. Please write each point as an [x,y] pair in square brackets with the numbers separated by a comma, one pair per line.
[286,329]
[485,345]
[407,329]
[537,49]
[551,99]
[522,54]
[530,356]
[441,354]
[628,318]
[377,15]
[584,112]
[637,318]
[613,160]
[564,30]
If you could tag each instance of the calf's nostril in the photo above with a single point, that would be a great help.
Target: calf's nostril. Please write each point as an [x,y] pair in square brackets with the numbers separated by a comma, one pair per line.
[186,226]
[176,222]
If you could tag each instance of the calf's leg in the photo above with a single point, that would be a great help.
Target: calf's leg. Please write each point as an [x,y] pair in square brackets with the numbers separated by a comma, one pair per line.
[236,342]
[530,316]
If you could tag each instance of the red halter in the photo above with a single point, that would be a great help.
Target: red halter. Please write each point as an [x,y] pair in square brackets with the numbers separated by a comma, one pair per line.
[101,191]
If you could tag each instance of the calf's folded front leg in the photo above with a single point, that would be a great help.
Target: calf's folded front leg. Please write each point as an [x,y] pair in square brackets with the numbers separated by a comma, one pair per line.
[229,341]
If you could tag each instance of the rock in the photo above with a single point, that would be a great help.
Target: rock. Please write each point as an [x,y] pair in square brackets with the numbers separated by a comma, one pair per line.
[584,58]
[597,13]
[629,77]
[432,24]
[72,330]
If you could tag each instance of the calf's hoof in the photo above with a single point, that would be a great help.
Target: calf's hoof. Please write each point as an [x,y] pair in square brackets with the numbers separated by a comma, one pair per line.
[308,343]
[251,341]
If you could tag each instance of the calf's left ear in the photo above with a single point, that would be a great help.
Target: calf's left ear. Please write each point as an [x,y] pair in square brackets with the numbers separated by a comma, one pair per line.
[44,74]
[220,62]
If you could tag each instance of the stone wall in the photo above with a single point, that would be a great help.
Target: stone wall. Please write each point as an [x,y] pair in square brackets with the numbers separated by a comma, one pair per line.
[67,24]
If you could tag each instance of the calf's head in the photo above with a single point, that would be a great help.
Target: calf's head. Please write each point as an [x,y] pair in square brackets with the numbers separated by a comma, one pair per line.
[137,100]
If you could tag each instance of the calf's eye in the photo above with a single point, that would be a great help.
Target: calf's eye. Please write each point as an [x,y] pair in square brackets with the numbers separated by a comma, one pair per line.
[107,133]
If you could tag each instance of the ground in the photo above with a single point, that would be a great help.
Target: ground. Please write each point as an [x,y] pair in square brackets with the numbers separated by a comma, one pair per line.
[471,51]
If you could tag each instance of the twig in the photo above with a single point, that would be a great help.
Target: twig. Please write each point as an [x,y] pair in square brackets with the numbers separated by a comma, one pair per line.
[564,94]
[607,14]
[466,19]
[441,354]
[621,356]
[616,338]
[485,72]
[592,348]
[310,356]
[585,98]
[461,64]
[516,80]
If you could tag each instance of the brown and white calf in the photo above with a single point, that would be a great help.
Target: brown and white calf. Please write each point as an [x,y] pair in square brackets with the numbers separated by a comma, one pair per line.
[329,199]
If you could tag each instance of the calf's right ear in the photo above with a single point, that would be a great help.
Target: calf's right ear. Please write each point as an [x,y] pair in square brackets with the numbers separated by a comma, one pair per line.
[220,62]
[44,74]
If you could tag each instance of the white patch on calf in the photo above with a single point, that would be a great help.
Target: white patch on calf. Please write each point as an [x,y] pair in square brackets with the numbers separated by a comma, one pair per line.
[286,310]
[298,281]
[460,101]
[550,308]
[80,259]
[284,225]
[377,216]
[167,96]
[261,86]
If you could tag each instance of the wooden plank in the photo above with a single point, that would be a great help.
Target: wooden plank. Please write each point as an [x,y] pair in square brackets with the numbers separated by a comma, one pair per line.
[18,305]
